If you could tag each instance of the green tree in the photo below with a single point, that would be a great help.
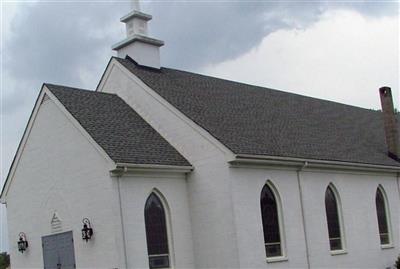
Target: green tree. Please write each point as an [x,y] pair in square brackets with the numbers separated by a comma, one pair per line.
[397,264]
[4,260]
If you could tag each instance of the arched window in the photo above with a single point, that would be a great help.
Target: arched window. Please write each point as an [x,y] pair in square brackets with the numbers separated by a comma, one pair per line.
[271,220]
[156,233]
[383,216]
[333,217]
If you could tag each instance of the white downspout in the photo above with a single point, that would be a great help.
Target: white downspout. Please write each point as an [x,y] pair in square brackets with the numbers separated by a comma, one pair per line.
[398,183]
[122,222]
[302,212]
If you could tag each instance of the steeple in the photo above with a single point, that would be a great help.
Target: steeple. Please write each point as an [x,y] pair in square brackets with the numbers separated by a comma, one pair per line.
[137,44]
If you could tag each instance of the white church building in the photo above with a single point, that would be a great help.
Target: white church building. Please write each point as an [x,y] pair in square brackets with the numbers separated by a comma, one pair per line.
[162,168]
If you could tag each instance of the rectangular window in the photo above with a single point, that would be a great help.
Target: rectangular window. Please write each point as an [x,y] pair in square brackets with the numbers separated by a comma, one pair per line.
[273,249]
[159,261]
[335,243]
[384,238]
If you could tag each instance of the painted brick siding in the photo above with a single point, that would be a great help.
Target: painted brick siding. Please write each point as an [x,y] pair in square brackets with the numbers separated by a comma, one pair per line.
[247,185]
[357,195]
[214,237]
[224,201]
[135,190]
[61,171]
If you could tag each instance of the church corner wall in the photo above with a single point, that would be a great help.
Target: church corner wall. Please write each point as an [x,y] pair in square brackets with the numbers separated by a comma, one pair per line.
[209,198]
[172,189]
[61,172]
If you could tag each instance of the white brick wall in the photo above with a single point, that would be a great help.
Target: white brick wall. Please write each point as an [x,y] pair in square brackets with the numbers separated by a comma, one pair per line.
[214,236]
[357,194]
[224,202]
[61,171]
[247,185]
[135,190]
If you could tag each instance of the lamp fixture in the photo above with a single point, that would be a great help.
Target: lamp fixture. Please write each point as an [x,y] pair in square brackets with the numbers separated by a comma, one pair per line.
[22,242]
[87,230]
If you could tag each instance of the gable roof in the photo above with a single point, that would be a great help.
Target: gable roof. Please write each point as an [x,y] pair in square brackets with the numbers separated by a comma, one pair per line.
[260,121]
[117,128]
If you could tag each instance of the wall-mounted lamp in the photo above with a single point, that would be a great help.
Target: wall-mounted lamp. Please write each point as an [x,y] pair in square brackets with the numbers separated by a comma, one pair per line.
[22,242]
[87,230]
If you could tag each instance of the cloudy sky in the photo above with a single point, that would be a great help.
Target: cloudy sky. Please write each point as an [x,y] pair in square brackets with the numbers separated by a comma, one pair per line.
[337,50]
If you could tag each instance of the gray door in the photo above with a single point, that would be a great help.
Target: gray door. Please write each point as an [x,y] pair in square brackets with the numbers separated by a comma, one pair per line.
[58,251]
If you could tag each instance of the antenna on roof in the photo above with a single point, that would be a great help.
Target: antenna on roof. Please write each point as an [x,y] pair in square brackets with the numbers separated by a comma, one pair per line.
[135,5]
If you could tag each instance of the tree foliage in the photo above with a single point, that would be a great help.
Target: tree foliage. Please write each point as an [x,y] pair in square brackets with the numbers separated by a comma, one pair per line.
[397,264]
[4,260]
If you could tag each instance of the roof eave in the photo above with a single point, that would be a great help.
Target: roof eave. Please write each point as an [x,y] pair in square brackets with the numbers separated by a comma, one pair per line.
[124,168]
[301,163]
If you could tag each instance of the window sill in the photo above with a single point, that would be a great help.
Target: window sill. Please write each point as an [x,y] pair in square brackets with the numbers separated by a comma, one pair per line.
[338,252]
[277,259]
[387,246]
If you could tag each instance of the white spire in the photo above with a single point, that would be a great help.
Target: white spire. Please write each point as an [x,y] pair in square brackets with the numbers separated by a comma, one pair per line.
[137,44]
[135,5]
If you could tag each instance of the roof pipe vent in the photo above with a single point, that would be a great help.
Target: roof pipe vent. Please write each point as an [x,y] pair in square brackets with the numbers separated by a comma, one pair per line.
[390,123]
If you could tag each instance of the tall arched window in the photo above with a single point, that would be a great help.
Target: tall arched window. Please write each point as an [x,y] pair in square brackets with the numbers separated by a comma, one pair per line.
[156,233]
[383,216]
[333,217]
[271,220]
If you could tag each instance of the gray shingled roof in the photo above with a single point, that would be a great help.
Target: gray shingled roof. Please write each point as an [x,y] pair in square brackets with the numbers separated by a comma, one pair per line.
[117,128]
[255,120]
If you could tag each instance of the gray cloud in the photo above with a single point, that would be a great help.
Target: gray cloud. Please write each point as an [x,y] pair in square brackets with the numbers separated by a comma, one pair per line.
[52,41]
[57,42]
[198,33]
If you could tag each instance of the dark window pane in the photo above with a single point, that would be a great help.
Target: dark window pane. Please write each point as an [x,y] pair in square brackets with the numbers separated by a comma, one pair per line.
[161,261]
[273,250]
[332,216]
[270,220]
[335,243]
[156,232]
[382,218]
[384,239]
